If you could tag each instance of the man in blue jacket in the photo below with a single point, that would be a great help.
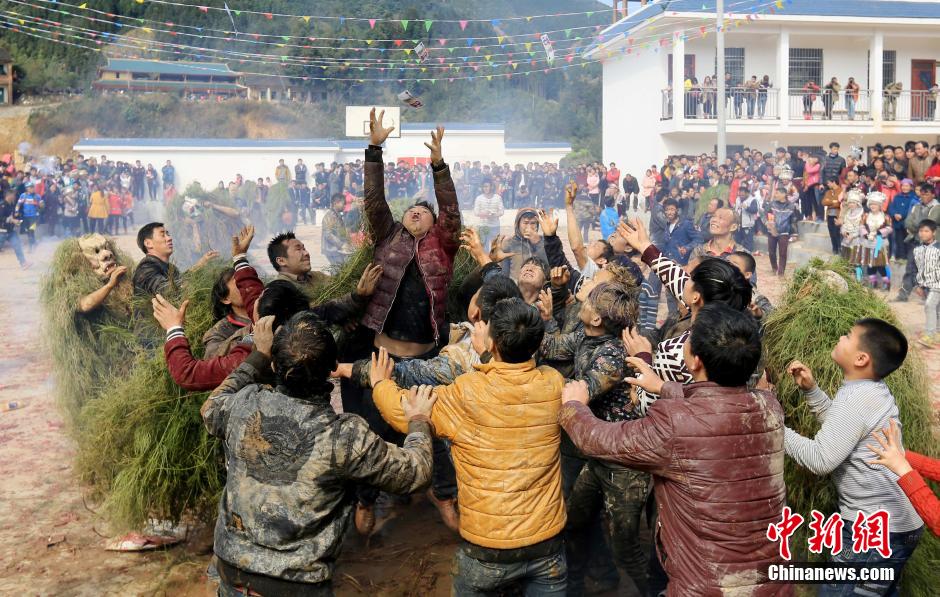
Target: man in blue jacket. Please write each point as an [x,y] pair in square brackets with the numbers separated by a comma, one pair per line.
[679,235]
[898,211]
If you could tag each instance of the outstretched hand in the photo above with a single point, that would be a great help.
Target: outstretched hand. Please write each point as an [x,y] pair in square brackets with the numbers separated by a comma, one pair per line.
[263,335]
[889,453]
[435,145]
[575,391]
[802,375]
[377,133]
[571,191]
[369,279]
[166,314]
[646,378]
[634,232]
[242,240]
[635,342]
[544,304]
[548,222]
[419,402]
[470,240]
[382,367]
[116,274]
[496,250]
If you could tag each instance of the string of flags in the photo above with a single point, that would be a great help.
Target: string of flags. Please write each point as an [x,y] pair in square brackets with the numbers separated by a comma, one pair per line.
[61,33]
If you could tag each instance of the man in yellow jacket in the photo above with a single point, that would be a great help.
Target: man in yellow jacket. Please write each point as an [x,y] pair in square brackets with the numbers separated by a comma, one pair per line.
[502,421]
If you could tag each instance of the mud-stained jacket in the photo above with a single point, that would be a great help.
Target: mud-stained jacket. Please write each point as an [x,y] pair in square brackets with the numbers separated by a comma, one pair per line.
[601,362]
[716,455]
[502,420]
[454,360]
[291,469]
[222,337]
[395,247]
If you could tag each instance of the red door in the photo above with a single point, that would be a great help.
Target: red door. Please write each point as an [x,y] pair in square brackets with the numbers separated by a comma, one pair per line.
[923,77]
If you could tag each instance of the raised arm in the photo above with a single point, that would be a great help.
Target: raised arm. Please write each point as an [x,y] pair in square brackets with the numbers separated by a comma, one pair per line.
[574,231]
[448,221]
[93,300]
[378,213]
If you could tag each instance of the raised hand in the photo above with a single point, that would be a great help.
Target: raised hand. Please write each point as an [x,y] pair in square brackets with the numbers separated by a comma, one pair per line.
[116,274]
[548,222]
[802,375]
[419,402]
[209,256]
[263,335]
[544,304]
[382,367]
[435,145]
[646,378]
[571,191]
[369,279]
[634,232]
[166,314]
[478,337]
[470,240]
[560,276]
[635,342]
[377,133]
[496,249]
[242,240]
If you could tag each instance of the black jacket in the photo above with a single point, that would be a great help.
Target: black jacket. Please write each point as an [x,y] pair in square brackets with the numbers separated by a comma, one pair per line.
[152,276]
[832,167]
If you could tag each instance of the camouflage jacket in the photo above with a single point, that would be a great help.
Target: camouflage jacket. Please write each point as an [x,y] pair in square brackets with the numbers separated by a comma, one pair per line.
[292,466]
[335,234]
[454,360]
[601,362]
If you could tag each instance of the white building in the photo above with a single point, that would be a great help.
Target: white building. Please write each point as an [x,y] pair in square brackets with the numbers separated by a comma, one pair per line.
[209,161]
[876,42]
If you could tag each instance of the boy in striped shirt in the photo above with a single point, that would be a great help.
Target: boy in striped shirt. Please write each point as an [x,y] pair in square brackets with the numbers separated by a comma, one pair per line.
[871,351]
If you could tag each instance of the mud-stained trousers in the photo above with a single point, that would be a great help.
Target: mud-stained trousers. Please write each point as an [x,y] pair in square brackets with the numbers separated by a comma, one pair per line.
[621,493]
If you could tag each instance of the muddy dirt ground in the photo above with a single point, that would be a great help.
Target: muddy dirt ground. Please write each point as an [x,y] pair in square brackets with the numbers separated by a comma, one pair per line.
[53,541]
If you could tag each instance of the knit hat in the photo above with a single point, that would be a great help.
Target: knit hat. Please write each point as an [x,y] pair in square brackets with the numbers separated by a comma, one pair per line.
[854,196]
[876,197]
[908,181]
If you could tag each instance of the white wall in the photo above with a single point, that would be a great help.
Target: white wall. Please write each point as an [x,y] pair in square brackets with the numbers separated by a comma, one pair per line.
[632,109]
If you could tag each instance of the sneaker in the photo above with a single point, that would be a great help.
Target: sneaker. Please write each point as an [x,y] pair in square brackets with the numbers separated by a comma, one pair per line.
[448,510]
[365,519]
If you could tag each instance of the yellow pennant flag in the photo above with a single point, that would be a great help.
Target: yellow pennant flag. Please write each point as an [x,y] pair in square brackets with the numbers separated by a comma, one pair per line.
[528,46]
[307,20]
[85,5]
[500,38]
[407,51]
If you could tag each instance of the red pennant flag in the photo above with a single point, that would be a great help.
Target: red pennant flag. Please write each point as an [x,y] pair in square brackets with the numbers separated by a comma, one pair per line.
[443,42]
[569,59]
[204,8]
[398,43]
[440,61]
[463,25]
[256,36]
[476,49]
[268,16]
[371,23]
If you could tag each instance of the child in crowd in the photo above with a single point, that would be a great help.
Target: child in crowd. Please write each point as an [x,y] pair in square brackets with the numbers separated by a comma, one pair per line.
[872,350]
[927,258]
[874,248]
[705,443]
[850,223]
[609,218]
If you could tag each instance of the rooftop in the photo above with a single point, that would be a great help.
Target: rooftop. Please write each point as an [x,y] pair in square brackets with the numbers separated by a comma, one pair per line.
[207,143]
[168,68]
[149,84]
[876,10]
[454,126]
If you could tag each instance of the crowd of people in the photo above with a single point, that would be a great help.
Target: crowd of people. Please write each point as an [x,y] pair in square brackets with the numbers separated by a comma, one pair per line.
[558,400]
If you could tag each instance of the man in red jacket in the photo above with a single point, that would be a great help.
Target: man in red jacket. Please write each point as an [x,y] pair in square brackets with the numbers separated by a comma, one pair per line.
[200,375]
[715,450]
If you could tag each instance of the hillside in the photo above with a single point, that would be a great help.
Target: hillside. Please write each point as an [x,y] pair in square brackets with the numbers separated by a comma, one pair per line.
[559,104]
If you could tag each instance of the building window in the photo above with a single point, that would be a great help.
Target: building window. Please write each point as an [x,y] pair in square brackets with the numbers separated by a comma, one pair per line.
[806,64]
[734,64]
[815,150]
[889,67]
[3,69]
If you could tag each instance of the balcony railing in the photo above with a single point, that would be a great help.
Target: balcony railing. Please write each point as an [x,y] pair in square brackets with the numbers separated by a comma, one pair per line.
[910,106]
[825,105]
[739,104]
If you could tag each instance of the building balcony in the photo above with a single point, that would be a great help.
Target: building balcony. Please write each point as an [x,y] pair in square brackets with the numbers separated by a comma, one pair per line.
[747,106]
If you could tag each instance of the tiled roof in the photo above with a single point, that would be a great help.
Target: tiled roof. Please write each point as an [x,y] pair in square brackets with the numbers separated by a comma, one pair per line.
[168,67]
[148,84]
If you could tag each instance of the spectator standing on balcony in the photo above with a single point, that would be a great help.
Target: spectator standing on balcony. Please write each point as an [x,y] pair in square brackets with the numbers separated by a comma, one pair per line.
[763,87]
[750,90]
[831,96]
[892,92]
[809,96]
[709,92]
[932,102]
[851,97]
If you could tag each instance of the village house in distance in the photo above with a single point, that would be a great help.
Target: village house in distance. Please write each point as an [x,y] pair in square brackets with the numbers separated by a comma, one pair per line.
[200,79]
